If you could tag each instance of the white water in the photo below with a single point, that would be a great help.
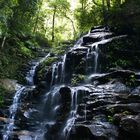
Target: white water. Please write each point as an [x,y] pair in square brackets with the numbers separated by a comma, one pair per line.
[51,98]
[72,116]
[63,69]
[9,127]
[52,102]
[96,53]
[95,49]
[54,67]
[73,111]
[85,111]
[13,109]
[31,73]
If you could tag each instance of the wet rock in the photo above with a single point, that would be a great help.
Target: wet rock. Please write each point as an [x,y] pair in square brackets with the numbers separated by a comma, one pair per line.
[48,76]
[89,39]
[131,124]
[118,108]
[22,135]
[9,84]
[136,90]
[65,93]
[121,88]
[66,98]
[75,63]
[119,74]
[1,113]
[100,27]
[97,130]
[42,84]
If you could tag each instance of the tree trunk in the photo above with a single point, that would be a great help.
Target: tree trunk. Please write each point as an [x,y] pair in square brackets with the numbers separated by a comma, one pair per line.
[104,12]
[108,4]
[53,24]
[37,17]
[74,30]
[3,42]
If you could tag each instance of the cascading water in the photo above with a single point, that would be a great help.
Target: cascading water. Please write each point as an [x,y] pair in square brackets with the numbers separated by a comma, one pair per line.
[72,116]
[9,127]
[54,68]
[51,100]
[13,109]
[31,73]
[73,111]
[63,69]
[96,58]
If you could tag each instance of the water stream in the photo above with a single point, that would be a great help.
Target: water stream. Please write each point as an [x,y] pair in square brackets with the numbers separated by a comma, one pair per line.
[51,100]
[9,127]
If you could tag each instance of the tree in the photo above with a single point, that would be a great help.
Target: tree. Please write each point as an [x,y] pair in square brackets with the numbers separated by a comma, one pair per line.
[58,7]
[6,13]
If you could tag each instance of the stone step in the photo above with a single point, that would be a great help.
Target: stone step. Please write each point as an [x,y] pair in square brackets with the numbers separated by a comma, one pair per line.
[118,108]
[96,104]
[84,118]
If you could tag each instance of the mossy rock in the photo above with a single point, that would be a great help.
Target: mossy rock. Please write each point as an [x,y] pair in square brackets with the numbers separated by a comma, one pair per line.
[77,78]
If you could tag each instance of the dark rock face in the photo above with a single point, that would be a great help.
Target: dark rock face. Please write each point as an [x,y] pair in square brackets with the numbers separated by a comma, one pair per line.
[97,130]
[131,124]
[75,62]
[65,93]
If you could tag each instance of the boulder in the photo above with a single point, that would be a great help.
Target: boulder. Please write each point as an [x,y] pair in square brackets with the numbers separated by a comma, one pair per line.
[131,124]
[118,74]
[96,130]
[65,93]
[9,84]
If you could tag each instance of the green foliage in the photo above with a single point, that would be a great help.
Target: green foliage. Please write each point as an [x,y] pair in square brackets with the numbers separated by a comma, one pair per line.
[49,61]
[126,113]
[12,57]
[110,119]
[111,110]
[26,52]
[77,78]
[131,81]
[88,15]
[59,48]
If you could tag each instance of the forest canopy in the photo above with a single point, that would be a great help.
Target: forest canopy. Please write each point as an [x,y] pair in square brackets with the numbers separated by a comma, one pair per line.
[59,20]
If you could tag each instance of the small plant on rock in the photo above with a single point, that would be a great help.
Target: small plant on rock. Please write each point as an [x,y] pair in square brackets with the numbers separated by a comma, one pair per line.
[77,78]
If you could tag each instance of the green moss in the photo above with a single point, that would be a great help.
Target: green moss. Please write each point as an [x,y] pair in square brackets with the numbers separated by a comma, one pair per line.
[49,61]
[76,79]
[59,48]
[126,113]
[110,119]
[42,68]
[131,81]
[25,51]
[111,110]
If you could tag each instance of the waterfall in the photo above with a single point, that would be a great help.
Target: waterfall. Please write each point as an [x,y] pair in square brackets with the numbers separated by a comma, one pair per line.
[54,68]
[85,111]
[63,69]
[52,102]
[31,73]
[96,53]
[9,127]
[72,116]
[50,109]
[13,109]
